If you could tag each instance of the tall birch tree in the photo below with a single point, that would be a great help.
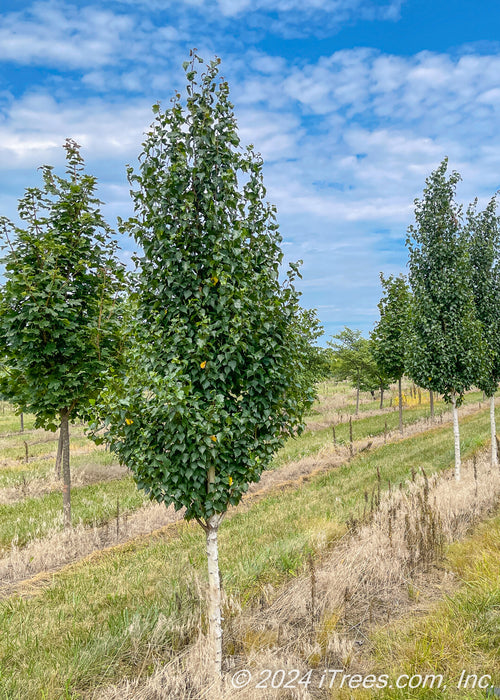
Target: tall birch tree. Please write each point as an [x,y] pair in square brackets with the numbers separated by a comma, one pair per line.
[483,232]
[216,379]
[59,325]
[445,351]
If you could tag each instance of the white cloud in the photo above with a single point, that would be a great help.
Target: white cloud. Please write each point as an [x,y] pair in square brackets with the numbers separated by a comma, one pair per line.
[33,129]
[69,36]
[347,140]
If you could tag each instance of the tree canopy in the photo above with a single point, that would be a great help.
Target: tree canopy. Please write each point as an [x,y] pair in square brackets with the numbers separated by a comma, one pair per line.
[59,325]
[445,350]
[215,378]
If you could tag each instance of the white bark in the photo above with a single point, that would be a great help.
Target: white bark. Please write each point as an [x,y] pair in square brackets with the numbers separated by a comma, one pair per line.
[494,455]
[400,394]
[66,468]
[456,433]
[214,592]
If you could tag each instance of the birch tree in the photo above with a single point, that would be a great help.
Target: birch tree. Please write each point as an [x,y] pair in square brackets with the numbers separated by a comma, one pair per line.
[445,351]
[390,335]
[353,359]
[216,379]
[59,326]
[483,232]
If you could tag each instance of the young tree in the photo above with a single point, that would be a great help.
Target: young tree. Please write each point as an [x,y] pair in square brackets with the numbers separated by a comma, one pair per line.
[483,232]
[390,335]
[59,328]
[445,349]
[215,381]
[353,360]
[317,361]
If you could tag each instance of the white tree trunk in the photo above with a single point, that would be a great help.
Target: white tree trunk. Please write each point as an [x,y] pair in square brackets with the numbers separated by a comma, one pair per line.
[214,593]
[456,433]
[494,455]
[400,394]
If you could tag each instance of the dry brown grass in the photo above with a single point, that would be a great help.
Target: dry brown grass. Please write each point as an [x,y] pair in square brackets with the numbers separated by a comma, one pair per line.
[89,473]
[386,567]
[43,557]
[59,549]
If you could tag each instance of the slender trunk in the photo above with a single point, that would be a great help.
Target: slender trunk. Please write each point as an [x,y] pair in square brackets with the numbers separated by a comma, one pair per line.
[57,471]
[357,397]
[456,433]
[400,406]
[66,468]
[494,454]
[214,592]
[381,397]
[431,398]
[22,422]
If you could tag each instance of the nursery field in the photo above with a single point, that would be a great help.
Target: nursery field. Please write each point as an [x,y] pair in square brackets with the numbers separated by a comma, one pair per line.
[356,547]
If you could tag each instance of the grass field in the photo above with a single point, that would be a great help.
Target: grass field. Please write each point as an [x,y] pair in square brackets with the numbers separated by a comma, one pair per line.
[34,517]
[95,622]
[460,633]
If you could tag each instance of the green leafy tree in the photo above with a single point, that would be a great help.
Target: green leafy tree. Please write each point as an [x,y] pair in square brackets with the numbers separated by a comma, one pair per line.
[216,379]
[390,335]
[59,326]
[352,360]
[483,234]
[317,361]
[445,350]
[375,378]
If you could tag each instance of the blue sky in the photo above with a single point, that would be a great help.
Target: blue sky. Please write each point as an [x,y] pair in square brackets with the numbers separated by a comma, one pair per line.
[352,103]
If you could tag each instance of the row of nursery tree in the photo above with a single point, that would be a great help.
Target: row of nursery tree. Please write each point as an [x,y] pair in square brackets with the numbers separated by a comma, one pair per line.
[197,367]
[440,327]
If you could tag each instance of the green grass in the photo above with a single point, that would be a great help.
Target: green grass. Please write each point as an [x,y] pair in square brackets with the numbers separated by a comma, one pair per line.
[311,441]
[34,518]
[10,422]
[37,448]
[18,475]
[350,408]
[461,632]
[93,625]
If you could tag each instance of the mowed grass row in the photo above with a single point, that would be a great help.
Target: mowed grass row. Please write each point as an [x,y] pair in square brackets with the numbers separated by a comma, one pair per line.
[322,409]
[108,618]
[21,474]
[311,441]
[95,504]
[10,421]
[461,632]
[45,446]
[33,518]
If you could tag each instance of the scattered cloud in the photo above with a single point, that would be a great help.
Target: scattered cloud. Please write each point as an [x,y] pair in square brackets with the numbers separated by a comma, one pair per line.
[347,138]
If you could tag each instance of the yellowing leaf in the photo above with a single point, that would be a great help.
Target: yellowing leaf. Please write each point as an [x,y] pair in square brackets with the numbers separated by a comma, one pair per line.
[212,437]
[230,479]
[203,364]
[128,421]
[215,279]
